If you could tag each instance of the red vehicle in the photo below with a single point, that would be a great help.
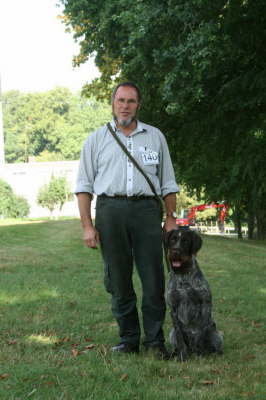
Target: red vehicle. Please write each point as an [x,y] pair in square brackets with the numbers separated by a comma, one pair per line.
[189,217]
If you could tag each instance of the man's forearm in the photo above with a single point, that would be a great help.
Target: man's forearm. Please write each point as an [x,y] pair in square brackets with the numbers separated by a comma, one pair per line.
[84,204]
[90,234]
[170,205]
[170,202]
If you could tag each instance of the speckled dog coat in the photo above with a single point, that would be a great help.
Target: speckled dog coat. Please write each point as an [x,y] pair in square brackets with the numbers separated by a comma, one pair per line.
[189,298]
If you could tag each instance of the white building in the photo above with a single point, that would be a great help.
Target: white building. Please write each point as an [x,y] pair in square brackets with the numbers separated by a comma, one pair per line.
[27,178]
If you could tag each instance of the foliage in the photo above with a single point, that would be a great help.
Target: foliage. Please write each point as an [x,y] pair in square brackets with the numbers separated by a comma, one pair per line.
[19,207]
[5,194]
[50,125]
[54,194]
[57,328]
[184,201]
[12,205]
[201,66]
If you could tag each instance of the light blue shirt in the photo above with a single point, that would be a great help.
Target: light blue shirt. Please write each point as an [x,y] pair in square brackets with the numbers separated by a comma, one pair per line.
[105,169]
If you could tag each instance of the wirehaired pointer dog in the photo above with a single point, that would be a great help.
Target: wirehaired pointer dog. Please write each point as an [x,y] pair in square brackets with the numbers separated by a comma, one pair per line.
[189,298]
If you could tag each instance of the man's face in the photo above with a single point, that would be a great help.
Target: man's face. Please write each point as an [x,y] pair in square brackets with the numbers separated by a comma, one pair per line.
[125,105]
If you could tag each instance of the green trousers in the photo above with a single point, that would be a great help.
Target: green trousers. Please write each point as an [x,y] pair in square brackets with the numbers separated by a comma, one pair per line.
[130,233]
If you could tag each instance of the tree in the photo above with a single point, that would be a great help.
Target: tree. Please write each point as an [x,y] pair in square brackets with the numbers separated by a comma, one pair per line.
[12,205]
[50,125]
[184,201]
[54,194]
[203,84]
[84,116]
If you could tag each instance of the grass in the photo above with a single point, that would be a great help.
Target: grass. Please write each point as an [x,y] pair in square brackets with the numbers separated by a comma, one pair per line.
[57,327]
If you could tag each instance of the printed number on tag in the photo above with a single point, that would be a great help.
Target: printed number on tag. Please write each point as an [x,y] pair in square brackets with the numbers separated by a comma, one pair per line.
[150,157]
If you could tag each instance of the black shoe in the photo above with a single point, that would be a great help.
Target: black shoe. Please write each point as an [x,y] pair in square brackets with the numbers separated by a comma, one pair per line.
[159,350]
[125,348]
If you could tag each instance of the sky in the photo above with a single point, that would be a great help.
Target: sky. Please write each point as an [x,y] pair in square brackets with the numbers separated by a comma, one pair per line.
[35,51]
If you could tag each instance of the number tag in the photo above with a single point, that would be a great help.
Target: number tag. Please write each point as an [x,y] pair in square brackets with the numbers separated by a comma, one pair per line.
[149,157]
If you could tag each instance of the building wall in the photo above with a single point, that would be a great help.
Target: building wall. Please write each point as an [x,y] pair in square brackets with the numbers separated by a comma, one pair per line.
[27,178]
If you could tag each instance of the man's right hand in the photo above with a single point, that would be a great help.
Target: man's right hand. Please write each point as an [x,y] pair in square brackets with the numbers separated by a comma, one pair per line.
[91,237]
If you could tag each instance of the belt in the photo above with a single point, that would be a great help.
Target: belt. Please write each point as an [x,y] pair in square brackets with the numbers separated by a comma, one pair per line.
[141,197]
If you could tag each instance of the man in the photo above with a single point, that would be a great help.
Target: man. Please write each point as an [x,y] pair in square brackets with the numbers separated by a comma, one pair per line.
[128,224]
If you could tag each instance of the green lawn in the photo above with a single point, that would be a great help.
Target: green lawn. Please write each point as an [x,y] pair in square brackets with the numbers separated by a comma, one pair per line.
[57,327]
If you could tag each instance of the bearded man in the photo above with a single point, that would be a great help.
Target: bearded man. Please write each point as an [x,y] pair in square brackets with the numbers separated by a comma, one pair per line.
[128,222]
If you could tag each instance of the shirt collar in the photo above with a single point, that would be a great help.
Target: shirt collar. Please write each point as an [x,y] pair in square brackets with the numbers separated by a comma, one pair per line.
[139,127]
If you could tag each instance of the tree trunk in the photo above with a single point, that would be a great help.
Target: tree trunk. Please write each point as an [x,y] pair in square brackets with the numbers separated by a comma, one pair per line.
[261,223]
[239,226]
[237,218]
[251,225]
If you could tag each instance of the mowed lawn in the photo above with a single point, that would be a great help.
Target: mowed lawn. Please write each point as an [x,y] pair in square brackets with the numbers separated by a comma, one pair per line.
[57,327]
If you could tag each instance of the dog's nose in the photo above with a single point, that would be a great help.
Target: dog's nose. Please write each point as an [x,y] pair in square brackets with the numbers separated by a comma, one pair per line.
[176,253]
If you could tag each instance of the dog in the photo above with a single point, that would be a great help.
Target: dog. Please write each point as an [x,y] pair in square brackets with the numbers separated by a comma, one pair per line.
[189,297]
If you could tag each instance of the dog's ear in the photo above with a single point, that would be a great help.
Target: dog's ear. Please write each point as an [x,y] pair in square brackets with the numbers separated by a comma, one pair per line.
[196,242]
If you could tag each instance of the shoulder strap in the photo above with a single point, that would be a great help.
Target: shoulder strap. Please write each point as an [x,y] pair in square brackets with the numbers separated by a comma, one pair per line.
[132,159]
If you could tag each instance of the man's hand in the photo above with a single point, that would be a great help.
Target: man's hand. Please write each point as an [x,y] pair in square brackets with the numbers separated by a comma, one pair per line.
[91,237]
[170,224]
[170,205]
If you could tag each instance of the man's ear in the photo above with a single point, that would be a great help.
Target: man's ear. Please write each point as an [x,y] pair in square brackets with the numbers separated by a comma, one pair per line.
[196,242]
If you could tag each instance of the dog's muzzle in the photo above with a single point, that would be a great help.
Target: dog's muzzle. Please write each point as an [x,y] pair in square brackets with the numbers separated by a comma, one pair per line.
[177,260]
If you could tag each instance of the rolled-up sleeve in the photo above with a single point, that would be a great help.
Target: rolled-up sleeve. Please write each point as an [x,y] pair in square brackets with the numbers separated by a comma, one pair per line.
[166,170]
[87,168]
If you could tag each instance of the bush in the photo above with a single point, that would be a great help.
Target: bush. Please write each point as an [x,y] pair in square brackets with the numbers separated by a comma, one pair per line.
[54,194]
[11,205]
[20,207]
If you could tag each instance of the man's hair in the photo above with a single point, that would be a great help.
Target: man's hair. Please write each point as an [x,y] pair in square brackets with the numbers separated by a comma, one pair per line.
[130,84]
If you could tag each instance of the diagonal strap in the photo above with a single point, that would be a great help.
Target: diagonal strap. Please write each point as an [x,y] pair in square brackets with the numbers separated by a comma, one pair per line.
[132,159]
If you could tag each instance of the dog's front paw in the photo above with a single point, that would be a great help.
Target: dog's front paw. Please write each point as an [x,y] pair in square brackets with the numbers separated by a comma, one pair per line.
[179,355]
[180,349]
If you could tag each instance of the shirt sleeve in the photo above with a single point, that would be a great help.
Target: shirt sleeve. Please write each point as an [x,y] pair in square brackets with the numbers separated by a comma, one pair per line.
[166,170]
[87,168]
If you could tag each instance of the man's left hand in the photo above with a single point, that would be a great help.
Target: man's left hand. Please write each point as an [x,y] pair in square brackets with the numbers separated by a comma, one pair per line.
[170,224]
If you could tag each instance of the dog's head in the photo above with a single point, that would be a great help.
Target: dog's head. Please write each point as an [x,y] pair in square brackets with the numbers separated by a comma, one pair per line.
[181,244]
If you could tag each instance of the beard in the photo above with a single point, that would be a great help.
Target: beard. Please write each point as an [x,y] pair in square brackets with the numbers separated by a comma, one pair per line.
[125,123]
